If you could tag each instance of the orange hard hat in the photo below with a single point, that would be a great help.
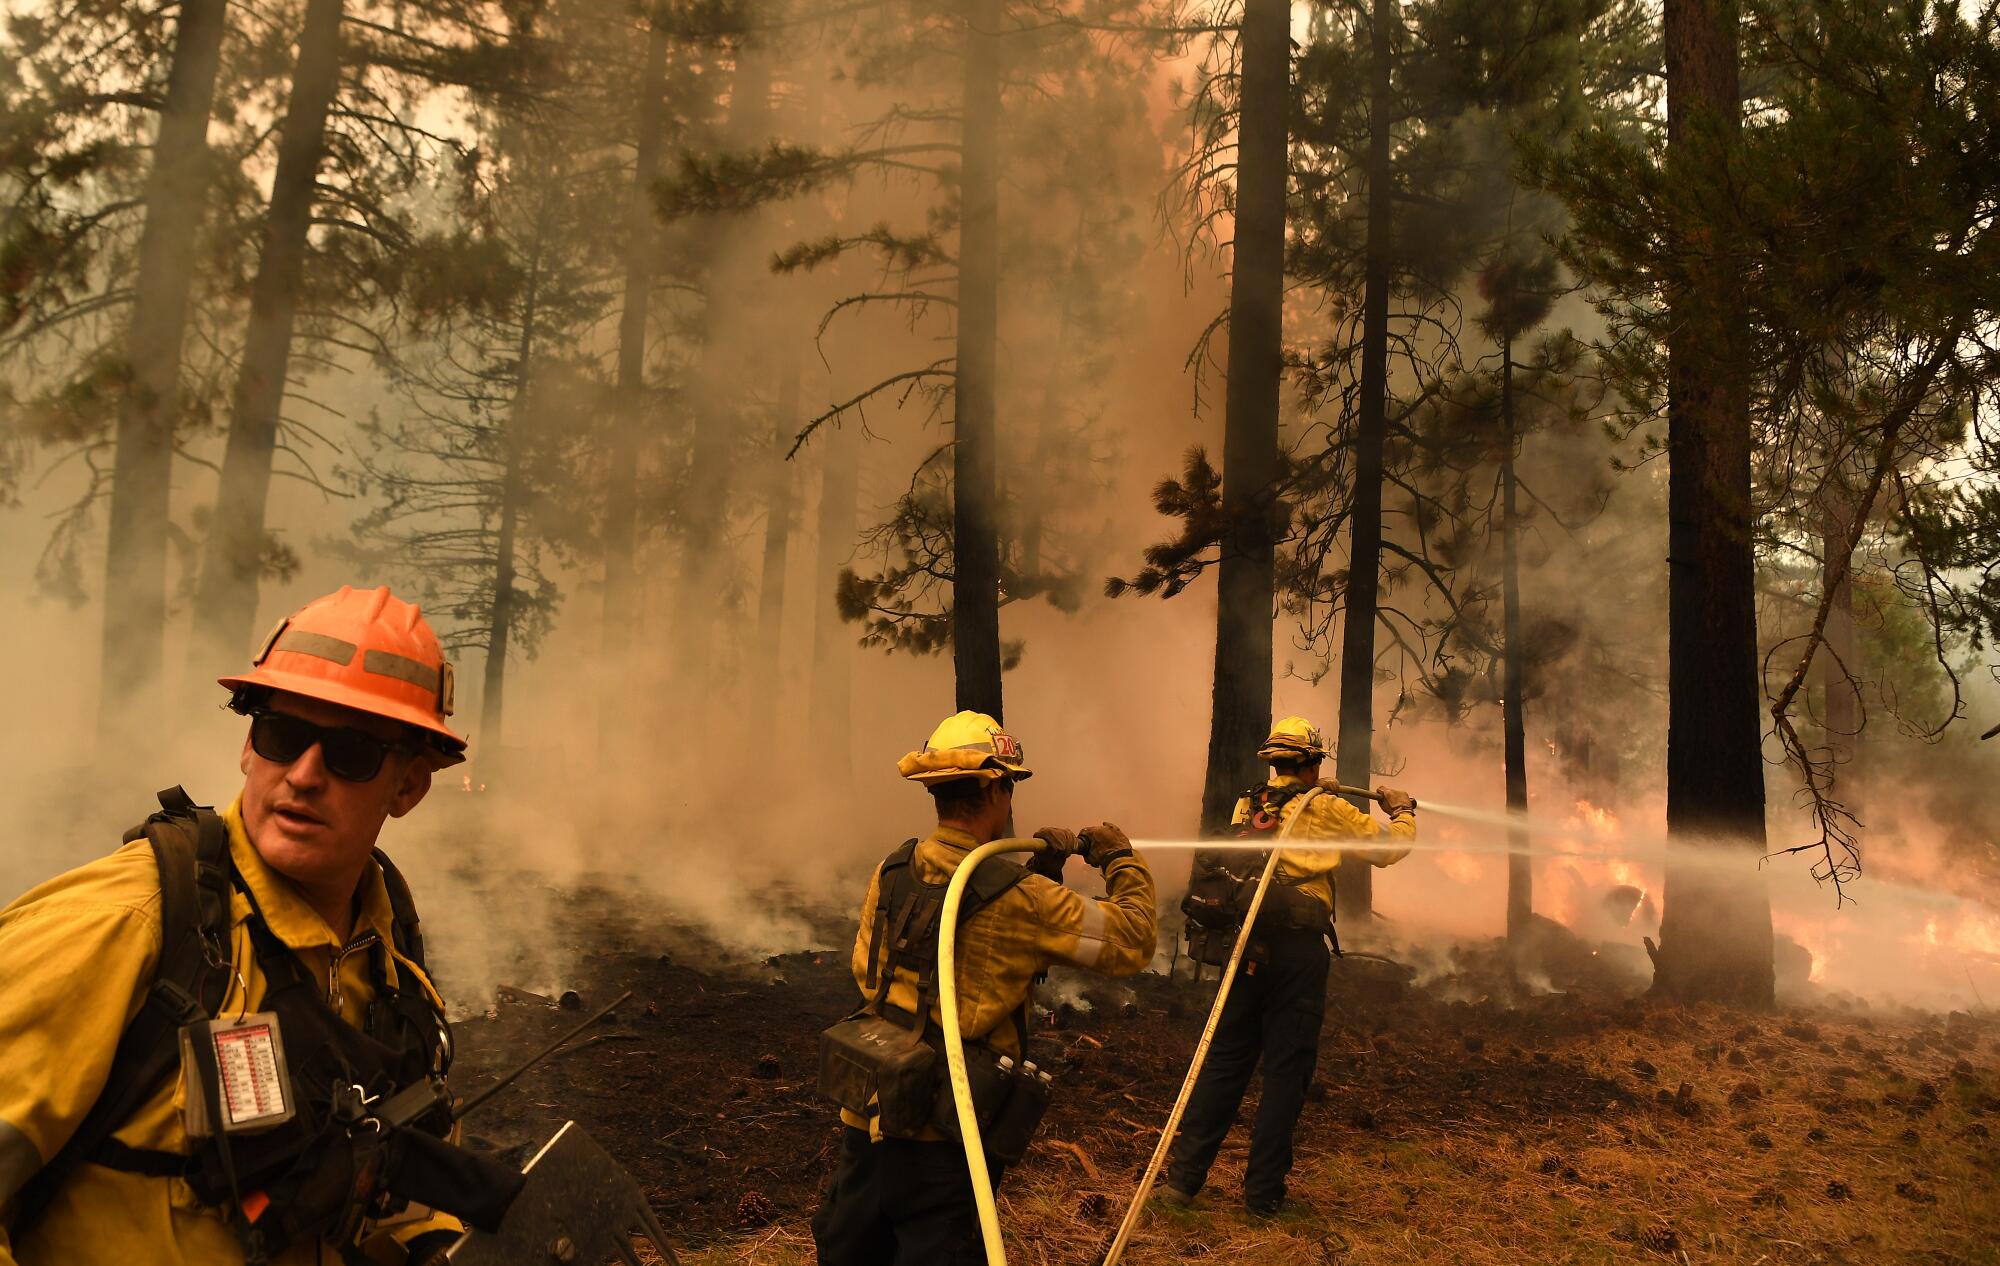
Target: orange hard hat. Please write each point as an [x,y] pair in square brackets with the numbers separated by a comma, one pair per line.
[364,649]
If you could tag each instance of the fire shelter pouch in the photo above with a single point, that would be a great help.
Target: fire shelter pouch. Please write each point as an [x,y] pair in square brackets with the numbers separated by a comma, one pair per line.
[873,1066]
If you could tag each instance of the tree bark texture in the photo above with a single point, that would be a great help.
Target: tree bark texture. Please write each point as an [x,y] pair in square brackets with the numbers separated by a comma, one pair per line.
[1240,709]
[832,698]
[1355,894]
[621,500]
[500,627]
[1839,663]
[778,507]
[135,568]
[723,381]
[226,599]
[975,586]
[1520,867]
[1715,935]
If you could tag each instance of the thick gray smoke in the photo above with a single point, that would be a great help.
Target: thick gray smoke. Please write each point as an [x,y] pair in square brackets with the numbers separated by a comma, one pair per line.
[729,816]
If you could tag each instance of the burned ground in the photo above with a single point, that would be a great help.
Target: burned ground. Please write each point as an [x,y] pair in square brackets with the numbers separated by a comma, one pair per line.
[1455,1121]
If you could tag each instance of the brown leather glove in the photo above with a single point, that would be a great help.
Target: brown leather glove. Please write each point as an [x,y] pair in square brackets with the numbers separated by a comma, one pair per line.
[1062,845]
[1103,844]
[1395,803]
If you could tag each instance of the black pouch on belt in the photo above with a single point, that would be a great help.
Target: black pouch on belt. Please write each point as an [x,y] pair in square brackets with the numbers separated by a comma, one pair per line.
[1008,1098]
[871,1065]
[1008,1103]
[1210,946]
[1014,1125]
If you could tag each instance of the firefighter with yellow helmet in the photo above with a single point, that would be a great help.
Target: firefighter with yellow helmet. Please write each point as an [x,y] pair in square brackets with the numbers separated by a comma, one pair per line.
[1277,1003]
[198,1025]
[900,1192]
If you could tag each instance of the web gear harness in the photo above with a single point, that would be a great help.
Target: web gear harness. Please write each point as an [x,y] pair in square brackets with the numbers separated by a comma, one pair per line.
[369,1109]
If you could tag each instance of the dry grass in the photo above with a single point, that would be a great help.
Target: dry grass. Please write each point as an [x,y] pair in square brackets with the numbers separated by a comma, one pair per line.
[1839,1140]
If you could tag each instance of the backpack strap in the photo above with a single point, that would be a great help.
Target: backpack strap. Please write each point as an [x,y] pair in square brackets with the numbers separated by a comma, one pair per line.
[878,934]
[191,853]
[407,930]
[995,877]
[908,915]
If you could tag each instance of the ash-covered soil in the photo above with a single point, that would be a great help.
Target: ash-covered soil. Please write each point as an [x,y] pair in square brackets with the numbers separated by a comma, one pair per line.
[1459,1121]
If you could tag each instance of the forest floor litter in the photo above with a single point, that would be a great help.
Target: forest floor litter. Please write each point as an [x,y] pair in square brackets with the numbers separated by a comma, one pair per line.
[1463,1119]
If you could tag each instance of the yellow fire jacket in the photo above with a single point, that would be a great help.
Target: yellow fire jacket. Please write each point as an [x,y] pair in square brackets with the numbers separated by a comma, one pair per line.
[1328,817]
[80,951]
[1029,928]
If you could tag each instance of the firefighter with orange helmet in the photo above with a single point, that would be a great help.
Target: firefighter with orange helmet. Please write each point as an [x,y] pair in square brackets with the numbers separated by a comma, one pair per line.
[900,1193]
[1274,1011]
[200,1025]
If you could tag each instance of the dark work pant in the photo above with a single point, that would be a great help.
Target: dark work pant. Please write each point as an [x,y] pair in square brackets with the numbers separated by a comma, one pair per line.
[1274,1012]
[899,1202]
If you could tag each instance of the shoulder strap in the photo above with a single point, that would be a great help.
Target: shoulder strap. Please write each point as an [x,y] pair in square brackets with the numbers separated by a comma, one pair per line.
[191,852]
[993,879]
[407,930]
[878,931]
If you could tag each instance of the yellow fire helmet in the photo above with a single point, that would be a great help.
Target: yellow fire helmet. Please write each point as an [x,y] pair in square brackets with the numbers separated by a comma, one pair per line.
[1294,739]
[966,745]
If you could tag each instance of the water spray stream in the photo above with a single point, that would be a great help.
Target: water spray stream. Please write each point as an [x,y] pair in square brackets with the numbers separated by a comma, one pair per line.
[1362,846]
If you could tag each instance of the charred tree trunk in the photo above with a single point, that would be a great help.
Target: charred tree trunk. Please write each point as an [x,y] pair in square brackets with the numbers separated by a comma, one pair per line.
[135,565]
[621,499]
[765,666]
[500,628]
[833,657]
[226,601]
[1520,867]
[722,382]
[1715,932]
[1839,663]
[975,586]
[1356,890]
[1246,581]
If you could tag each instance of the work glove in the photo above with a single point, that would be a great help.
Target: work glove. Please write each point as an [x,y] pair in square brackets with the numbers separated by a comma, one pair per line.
[429,1248]
[1396,803]
[1103,844]
[1061,846]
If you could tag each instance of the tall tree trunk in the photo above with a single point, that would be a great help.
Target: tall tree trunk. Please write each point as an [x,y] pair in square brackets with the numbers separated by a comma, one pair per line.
[975,586]
[833,654]
[226,599]
[1715,933]
[1356,890]
[723,381]
[778,508]
[1839,663]
[1520,867]
[500,628]
[135,565]
[621,499]
[1246,583]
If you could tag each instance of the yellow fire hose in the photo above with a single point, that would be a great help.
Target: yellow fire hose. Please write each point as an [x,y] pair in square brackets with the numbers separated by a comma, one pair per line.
[954,1044]
[1131,1219]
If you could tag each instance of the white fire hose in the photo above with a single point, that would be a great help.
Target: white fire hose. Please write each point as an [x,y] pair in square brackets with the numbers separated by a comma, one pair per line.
[954,1045]
[1131,1220]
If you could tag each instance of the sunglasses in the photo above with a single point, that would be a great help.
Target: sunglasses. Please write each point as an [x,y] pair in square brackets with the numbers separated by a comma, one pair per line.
[350,754]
